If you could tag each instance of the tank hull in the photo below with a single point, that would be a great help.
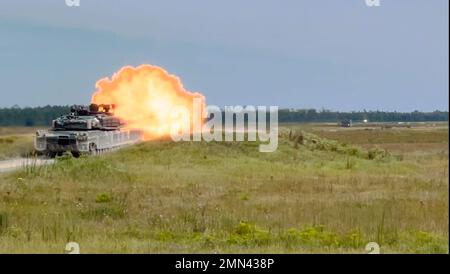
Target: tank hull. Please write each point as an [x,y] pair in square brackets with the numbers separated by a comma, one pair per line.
[53,142]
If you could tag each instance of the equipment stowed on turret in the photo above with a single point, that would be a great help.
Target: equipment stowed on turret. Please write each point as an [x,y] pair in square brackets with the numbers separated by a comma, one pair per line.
[86,130]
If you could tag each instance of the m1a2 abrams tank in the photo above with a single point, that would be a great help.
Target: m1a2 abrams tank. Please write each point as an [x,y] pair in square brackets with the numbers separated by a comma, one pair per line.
[86,130]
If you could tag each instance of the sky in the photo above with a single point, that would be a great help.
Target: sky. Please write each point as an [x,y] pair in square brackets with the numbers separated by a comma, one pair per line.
[325,54]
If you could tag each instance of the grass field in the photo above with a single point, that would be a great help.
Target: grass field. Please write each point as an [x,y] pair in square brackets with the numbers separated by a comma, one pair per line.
[326,189]
[16,142]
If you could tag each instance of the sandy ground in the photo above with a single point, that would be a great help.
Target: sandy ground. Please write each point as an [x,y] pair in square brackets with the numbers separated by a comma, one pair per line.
[13,164]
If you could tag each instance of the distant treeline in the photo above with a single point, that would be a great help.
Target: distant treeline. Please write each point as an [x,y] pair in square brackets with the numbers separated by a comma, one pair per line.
[36,116]
[42,116]
[312,115]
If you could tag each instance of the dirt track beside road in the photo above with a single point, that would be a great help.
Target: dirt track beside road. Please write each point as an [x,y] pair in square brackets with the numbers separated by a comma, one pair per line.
[14,164]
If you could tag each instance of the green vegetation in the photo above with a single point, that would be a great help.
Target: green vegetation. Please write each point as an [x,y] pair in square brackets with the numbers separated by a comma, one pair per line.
[29,117]
[311,195]
[385,136]
[15,146]
[312,115]
[16,142]
[40,116]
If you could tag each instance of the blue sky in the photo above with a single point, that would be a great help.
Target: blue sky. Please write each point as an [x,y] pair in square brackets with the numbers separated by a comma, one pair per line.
[333,54]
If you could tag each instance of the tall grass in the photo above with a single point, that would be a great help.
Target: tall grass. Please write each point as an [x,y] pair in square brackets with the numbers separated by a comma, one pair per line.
[311,195]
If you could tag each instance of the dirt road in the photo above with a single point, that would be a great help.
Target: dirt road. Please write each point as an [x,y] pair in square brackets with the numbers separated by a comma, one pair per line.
[13,164]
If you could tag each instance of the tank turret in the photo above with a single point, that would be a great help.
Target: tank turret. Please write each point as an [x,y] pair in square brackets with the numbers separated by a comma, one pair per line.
[94,117]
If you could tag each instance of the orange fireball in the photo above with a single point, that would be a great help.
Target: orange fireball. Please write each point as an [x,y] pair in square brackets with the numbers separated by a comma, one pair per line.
[145,98]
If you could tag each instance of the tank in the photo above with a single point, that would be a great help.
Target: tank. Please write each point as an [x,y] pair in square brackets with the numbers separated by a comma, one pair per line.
[85,130]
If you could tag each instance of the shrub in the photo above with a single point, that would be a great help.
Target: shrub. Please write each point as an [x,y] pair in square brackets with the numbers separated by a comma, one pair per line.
[103,198]
[248,234]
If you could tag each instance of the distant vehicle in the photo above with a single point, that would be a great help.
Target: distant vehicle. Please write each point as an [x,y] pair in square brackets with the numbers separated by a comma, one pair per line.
[345,123]
[86,130]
